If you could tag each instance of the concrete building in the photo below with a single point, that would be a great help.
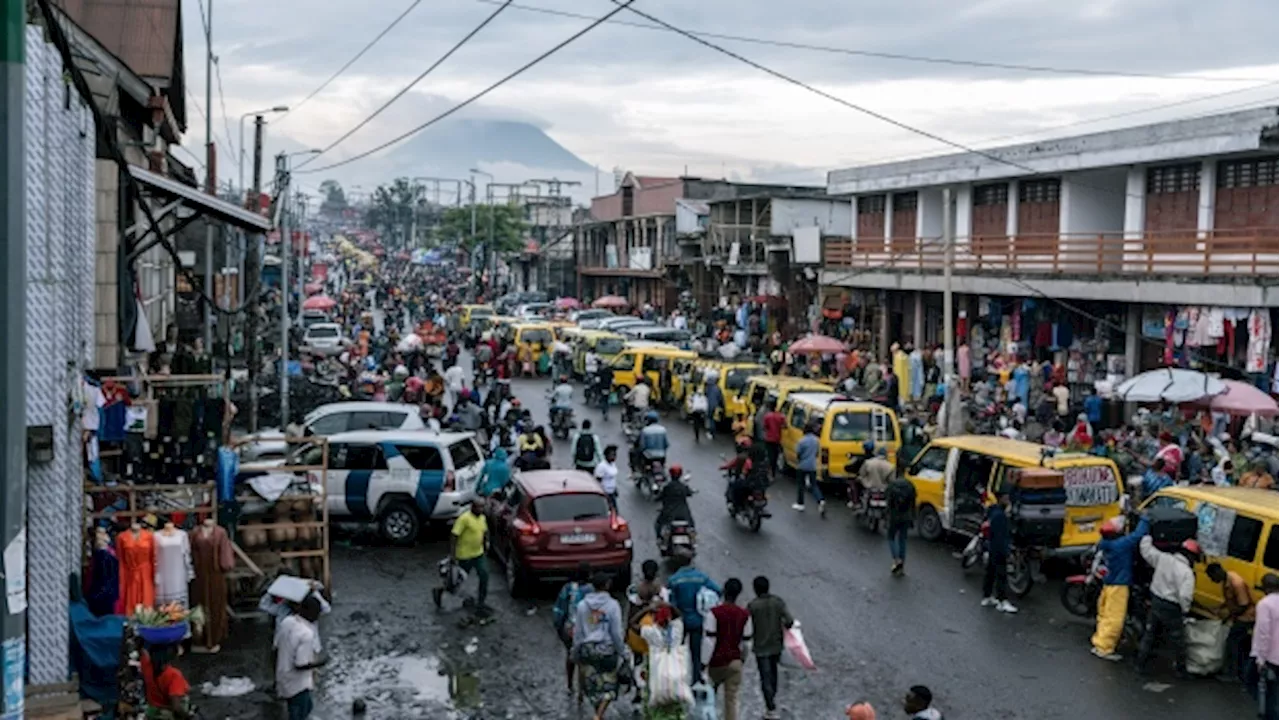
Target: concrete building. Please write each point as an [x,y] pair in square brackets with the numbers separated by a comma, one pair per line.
[1128,223]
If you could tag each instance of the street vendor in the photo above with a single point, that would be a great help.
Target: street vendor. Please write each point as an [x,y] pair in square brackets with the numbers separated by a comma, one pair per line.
[166,687]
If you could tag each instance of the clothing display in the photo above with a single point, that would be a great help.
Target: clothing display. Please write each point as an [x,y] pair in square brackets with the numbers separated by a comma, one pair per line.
[916,364]
[212,556]
[902,368]
[174,570]
[136,550]
[962,360]
[114,412]
[103,593]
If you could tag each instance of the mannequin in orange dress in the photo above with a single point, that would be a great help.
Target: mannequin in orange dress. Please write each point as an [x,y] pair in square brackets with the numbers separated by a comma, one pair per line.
[136,548]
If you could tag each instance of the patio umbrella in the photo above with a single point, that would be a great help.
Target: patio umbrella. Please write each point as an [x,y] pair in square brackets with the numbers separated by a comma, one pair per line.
[568,303]
[1241,399]
[817,344]
[312,288]
[1169,385]
[319,302]
[610,301]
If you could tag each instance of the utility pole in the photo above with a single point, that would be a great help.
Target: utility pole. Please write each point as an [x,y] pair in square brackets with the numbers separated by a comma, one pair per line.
[211,173]
[949,400]
[253,271]
[301,201]
[13,318]
[286,247]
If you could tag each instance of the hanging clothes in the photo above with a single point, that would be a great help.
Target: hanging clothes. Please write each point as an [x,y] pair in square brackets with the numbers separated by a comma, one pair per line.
[212,556]
[916,366]
[104,582]
[114,411]
[174,569]
[136,551]
[1258,350]
[963,362]
[902,369]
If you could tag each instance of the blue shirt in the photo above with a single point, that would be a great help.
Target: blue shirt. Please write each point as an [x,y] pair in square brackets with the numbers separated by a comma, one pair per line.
[653,441]
[684,586]
[1118,555]
[1153,482]
[567,601]
[807,453]
[1000,540]
[495,475]
[1093,408]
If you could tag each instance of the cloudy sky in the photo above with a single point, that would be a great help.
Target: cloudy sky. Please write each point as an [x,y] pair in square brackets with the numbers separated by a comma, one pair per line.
[656,102]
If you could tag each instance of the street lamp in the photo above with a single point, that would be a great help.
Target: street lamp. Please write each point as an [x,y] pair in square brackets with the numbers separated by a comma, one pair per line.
[286,246]
[276,109]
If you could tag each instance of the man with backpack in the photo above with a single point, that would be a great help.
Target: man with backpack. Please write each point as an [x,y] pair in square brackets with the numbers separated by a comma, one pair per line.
[586,448]
[900,497]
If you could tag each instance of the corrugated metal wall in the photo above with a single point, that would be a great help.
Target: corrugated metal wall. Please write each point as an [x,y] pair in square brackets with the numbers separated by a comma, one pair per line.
[60,293]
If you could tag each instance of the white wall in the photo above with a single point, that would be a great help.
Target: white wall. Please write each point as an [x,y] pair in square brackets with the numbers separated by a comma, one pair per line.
[929,213]
[1092,203]
[833,217]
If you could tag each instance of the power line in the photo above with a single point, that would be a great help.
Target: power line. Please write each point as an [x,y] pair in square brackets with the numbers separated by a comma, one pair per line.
[348,64]
[621,5]
[439,61]
[887,55]
[222,100]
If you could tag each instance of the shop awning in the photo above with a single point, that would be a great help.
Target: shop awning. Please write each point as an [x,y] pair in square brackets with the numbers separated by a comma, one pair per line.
[205,204]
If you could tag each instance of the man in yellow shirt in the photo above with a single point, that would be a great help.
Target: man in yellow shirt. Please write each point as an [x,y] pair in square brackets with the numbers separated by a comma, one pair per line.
[467,546]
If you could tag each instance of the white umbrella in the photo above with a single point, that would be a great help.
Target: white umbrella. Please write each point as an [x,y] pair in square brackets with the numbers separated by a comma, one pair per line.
[1169,385]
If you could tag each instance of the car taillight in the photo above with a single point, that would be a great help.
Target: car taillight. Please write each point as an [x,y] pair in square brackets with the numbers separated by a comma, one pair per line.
[616,522]
[526,528]
[450,481]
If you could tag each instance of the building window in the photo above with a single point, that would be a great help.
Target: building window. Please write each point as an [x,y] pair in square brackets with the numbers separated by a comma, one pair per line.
[1173,179]
[1253,172]
[870,204]
[1048,190]
[993,194]
[905,201]
[628,201]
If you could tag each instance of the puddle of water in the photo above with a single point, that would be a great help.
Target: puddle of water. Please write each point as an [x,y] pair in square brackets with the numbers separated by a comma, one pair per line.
[396,681]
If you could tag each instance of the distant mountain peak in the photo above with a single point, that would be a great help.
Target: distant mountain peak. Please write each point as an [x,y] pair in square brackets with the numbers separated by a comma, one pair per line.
[455,146]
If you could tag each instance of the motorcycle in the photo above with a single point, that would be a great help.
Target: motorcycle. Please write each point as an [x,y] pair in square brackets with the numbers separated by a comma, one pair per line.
[873,506]
[1080,593]
[651,482]
[678,541]
[751,511]
[561,422]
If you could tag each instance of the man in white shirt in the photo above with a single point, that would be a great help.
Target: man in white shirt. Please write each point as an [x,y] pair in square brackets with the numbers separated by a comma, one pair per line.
[638,398]
[678,321]
[607,474]
[591,363]
[297,643]
[1173,586]
[454,382]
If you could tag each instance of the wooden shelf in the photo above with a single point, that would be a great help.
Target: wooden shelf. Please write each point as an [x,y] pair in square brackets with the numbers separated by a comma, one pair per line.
[125,487]
[155,511]
[277,525]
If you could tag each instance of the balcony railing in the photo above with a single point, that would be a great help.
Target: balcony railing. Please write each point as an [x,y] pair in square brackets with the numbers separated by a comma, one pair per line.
[1250,252]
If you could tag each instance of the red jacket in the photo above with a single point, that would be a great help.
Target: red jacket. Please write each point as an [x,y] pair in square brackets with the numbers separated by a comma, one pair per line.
[773,422]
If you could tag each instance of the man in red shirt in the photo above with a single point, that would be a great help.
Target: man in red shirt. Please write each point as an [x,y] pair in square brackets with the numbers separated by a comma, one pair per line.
[731,627]
[773,422]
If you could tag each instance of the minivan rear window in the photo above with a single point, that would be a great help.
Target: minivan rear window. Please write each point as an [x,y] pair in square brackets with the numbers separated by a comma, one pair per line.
[609,346]
[464,454]
[736,378]
[536,336]
[570,507]
[847,426]
[323,332]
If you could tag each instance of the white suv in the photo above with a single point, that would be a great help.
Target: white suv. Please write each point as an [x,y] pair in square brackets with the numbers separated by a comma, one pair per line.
[324,339]
[337,418]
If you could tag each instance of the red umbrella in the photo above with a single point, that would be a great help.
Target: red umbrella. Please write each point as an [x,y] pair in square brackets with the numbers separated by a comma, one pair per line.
[568,303]
[319,302]
[313,288]
[1241,399]
[817,344]
[610,301]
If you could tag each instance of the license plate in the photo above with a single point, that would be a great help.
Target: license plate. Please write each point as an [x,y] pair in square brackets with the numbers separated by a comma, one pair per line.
[878,503]
[1086,527]
[578,538]
[680,540]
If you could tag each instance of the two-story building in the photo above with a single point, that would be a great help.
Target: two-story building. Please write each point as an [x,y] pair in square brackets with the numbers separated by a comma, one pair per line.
[1121,240]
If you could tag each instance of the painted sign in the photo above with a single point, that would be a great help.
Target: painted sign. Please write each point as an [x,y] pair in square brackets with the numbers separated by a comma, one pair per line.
[1090,485]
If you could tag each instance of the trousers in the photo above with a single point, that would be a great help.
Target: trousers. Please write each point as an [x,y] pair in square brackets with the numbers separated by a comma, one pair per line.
[898,541]
[1113,603]
[1164,618]
[730,676]
[996,578]
[807,478]
[480,567]
[768,667]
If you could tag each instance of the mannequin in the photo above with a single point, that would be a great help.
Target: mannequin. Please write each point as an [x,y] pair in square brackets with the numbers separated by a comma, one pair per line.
[136,549]
[104,576]
[173,569]
[212,555]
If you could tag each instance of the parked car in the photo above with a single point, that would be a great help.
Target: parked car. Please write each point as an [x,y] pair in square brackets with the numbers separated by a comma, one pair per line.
[336,418]
[399,479]
[589,318]
[324,339]
[547,522]
[311,317]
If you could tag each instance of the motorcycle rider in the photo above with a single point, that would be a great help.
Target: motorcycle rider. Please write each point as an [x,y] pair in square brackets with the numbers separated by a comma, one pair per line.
[637,400]
[876,473]
[854,468]
[603,378]
[561,398]
[651,444]
[1113,604]
[748,472]
[586,448]
[1173,586]
[675,504]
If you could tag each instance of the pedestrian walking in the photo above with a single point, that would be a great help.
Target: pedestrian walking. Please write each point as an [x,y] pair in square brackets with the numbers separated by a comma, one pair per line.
[807,465]
[698,413]
[919,704]
[769,618]
[995,582]
[467,546]
[730,627]
[606,472]
[298,653]
[773,423]
[686,584]
[1173,587]
[562,615]
[598,645]
[900,497]
[1266,646]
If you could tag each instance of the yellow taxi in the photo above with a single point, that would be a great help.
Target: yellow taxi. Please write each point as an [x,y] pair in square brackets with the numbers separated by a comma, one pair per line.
[957,477]
[1237,529]
[535,337]
[606,344]
[731,376]
[844,426]
[648,359]
[769,391]
[470,312]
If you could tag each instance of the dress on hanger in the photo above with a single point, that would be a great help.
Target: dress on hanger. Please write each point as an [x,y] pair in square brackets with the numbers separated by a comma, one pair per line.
[137,555]
[173,567]
[212,554]
[104,582]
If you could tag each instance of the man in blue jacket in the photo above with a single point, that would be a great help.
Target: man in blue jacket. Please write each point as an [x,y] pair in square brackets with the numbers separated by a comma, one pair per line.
[1118,555]
[807,470]
[995,583]
[684,587]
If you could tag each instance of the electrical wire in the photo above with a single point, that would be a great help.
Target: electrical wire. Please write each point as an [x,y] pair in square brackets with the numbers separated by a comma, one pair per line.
[622,5]
[888,55]
[439,61]
[280,118]
[222,100]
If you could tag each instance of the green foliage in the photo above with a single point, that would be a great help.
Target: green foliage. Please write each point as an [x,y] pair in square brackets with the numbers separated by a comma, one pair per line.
[508,227]
[332,198]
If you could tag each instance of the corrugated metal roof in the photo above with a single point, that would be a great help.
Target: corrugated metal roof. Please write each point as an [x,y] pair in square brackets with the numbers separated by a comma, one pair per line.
[142,33]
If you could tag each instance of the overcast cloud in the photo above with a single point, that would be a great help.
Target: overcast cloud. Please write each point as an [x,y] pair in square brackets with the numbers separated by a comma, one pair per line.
[655,102]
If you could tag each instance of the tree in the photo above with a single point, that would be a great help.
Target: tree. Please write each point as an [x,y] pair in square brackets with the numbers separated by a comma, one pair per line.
[394,208]
[508,227]
[333,199]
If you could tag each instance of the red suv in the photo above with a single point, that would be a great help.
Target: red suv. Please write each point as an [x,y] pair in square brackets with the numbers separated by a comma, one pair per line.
[549,522]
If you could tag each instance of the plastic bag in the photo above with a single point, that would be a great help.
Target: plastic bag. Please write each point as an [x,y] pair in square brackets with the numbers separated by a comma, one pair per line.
[797,652]
[704,702]
[668,665]
[1206,646]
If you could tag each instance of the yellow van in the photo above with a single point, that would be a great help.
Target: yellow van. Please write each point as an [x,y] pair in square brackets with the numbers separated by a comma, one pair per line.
[538,337]
[732,377]
[845,425]
[605,344]
[1237,530]
[470,312]
[640,357]
[765,392]
[956,477]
